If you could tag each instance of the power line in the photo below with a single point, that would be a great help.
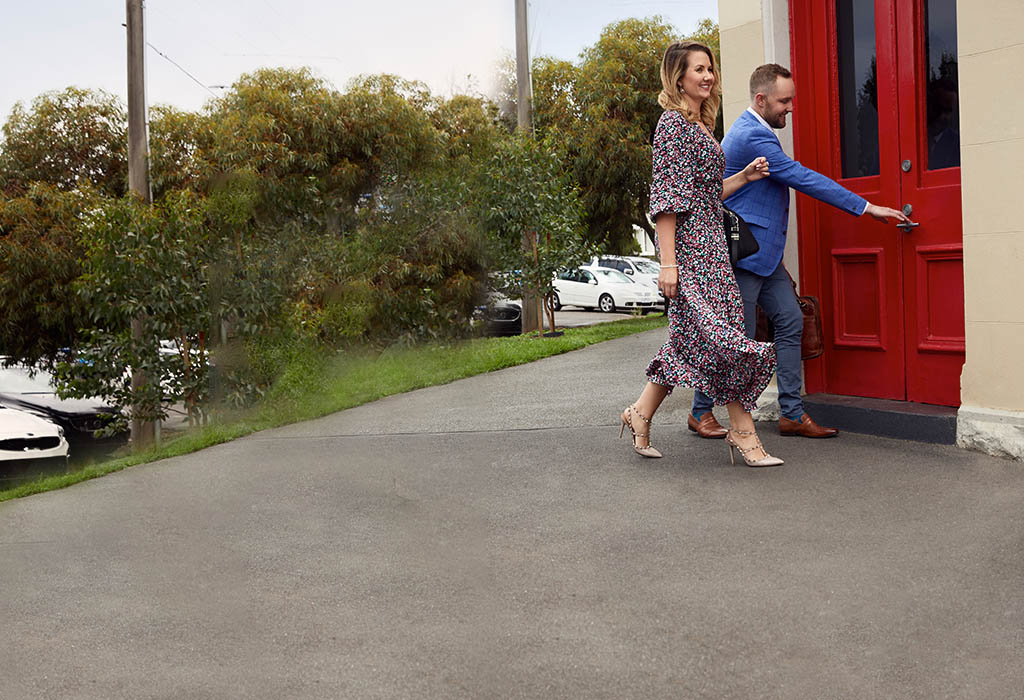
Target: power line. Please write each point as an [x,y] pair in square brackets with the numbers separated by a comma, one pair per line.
[282,55]
[175,64]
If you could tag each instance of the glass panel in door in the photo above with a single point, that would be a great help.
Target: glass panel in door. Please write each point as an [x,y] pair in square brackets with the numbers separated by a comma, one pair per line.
[858,87]
[943,109]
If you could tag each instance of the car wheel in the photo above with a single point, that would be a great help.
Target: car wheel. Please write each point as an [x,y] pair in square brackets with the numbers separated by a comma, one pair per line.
[556,303]
[606,303]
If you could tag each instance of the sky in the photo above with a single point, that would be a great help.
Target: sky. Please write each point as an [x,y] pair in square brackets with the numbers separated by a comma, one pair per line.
[451,45]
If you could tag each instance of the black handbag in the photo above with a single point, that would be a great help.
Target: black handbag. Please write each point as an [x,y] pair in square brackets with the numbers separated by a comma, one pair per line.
[738,237]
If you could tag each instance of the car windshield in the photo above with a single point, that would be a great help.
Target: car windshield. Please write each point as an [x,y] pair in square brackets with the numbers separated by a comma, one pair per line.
[647,267]
[613,276]
[16,380]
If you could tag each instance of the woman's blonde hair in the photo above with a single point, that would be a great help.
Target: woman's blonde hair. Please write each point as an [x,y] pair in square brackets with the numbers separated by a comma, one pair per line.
[673,67]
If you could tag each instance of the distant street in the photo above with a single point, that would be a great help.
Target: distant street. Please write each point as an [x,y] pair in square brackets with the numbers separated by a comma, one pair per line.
[571,317]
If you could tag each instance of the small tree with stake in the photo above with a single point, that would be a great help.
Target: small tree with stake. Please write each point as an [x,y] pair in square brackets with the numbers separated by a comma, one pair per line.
[527,194]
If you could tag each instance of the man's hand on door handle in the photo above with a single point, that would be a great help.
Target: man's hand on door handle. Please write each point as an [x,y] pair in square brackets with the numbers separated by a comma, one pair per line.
[883,214]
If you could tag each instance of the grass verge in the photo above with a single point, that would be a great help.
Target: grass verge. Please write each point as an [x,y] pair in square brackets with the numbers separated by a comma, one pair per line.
[315,385]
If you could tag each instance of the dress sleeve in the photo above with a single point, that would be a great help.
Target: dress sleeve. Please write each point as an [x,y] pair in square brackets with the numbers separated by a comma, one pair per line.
[672,181]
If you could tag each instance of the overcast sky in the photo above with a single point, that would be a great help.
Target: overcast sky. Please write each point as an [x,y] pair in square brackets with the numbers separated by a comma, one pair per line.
[51,45]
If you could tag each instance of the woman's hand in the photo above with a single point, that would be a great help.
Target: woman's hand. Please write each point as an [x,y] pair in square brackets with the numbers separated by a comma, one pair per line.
[756,170]
[668,281]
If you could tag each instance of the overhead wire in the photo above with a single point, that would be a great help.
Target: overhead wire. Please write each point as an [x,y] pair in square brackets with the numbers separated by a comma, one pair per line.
[176,65]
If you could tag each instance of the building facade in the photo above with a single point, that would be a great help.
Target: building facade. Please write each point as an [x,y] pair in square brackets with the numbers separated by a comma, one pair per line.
[913,104]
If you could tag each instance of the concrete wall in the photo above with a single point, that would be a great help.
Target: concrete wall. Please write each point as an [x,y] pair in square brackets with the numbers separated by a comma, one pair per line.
[991,58]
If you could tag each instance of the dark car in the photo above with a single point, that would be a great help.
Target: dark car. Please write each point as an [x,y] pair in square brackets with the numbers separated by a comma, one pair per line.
[33,392]
[501,317]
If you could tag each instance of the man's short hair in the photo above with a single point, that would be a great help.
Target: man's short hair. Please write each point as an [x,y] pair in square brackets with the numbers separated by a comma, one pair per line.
[763,78]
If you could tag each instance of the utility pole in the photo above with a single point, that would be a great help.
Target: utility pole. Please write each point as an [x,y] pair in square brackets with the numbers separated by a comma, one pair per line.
[531,314]
[143,432]
[523,83]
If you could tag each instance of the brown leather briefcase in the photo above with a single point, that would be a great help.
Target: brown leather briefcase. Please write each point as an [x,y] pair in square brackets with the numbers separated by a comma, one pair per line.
[812,342]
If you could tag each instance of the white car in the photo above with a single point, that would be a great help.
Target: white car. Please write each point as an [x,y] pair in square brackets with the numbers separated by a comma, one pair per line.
[633,266]
[602,288]
[643,270]
[29,444]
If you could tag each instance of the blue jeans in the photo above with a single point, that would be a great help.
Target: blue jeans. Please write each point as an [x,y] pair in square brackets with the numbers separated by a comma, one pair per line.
[775,295]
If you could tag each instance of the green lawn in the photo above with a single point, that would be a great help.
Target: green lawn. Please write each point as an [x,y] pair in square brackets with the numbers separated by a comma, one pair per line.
[316,385]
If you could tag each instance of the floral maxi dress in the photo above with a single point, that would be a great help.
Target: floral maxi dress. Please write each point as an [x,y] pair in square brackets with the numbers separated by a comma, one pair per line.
[707,347]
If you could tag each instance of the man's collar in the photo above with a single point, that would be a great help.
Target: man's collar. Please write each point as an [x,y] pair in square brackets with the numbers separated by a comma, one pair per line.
[759,118]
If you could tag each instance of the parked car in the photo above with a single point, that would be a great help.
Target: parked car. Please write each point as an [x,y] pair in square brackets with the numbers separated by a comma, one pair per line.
[632,266]
[503,317]
[32,391]
[29,445]
[500,316]
[639,269]
[602,288]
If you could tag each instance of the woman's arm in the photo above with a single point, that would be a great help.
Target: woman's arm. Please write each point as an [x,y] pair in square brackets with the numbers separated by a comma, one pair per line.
[668,277]
[757,169]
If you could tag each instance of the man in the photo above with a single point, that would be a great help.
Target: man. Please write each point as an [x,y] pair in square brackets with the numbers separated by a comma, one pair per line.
[764,205]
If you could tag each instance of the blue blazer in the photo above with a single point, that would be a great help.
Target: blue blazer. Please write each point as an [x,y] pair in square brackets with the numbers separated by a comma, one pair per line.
[765,204]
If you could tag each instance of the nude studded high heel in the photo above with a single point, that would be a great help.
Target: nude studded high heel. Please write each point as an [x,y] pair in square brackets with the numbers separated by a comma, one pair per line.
[766,461]
[647,451]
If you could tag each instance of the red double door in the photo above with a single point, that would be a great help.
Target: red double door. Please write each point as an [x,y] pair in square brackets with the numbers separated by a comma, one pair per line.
[877,110]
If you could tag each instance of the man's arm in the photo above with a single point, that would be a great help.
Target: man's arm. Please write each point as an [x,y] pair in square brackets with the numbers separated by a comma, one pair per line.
[791,173]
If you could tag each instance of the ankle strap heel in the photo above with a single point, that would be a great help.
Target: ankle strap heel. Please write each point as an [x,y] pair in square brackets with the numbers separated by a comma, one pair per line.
[766,461]
[648,450]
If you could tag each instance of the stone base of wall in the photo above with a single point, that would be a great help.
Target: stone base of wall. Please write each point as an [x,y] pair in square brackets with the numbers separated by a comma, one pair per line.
[999,433]
[768,404]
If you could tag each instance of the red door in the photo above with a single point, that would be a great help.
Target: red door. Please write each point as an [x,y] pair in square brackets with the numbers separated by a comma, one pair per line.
[877,111]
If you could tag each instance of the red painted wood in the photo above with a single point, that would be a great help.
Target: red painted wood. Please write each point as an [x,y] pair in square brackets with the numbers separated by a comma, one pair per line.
[804,143]
[872,368]
[892,302]
[933,274]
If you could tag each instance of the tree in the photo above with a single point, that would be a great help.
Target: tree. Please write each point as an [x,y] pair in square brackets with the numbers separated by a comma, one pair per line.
[181,148]
[40,258]
[66,138]
[527,193]
[605,109]
[160,263]
[143,261]
[58,159]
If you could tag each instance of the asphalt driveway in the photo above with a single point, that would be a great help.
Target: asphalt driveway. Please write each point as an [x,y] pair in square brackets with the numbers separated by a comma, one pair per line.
[492,539]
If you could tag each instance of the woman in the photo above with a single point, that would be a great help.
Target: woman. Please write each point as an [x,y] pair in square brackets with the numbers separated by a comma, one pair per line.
[707,348]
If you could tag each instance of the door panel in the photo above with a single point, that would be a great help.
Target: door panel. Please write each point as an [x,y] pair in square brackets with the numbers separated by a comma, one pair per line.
[858,257]
[876,87]
[588,289]
[929,139]
[859,298]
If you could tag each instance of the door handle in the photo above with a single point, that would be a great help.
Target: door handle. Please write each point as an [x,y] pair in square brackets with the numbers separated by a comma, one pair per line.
[907,211]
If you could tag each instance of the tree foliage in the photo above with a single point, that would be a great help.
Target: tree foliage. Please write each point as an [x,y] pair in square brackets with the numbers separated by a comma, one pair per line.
[63,139]
[40,258]
[605,109]
[527,194]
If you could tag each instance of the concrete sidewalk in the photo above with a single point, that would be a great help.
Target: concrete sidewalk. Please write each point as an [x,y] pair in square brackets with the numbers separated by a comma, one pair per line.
[492,539]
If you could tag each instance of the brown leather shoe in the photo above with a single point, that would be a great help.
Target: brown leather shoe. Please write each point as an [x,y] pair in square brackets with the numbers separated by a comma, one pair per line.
[805,427]
[708,427]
